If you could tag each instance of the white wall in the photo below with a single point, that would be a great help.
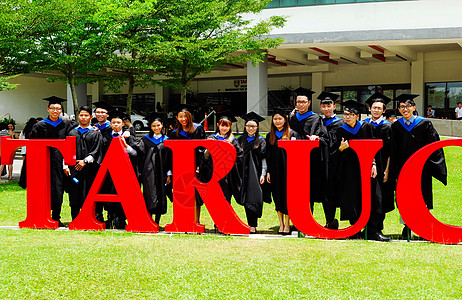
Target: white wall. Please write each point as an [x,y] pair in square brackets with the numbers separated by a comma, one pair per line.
[369,16]
[26,100]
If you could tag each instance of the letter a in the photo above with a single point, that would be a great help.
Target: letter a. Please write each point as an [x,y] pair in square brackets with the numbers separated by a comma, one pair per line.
[185,184]
[298,204]
[117,163]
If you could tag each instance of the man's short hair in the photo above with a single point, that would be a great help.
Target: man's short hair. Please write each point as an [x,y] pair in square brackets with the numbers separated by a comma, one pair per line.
[459,103]
[85,108]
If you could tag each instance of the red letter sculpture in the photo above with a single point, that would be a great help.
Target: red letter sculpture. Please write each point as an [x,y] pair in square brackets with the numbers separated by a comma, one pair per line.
[117,163]
[38,176]
[411,204]
[185,183]
[298,204]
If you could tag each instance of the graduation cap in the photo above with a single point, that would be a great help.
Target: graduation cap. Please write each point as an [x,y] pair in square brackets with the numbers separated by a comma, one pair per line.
[327,97]
[252,116]
[352,106]
[378,97]
[116,114]
[103,105]
[301,91]
[404,97]
[280,111]
[227,115]
[183,107]
[390,113]
[54,100]
[156,116]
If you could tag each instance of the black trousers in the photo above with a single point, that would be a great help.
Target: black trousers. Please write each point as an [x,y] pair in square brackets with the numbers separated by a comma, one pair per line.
[252,218]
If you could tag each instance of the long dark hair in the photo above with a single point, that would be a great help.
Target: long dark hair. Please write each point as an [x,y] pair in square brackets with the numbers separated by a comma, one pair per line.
[286,130]
[246,134]
[28,128]
[229,135]
[151,132]
[189,128]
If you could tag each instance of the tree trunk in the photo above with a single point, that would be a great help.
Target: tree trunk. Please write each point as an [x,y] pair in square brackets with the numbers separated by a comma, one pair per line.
[183,96]
[70,79]
[131,86]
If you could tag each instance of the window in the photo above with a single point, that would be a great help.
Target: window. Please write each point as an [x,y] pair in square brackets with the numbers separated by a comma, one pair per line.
[443,97]
[292,3]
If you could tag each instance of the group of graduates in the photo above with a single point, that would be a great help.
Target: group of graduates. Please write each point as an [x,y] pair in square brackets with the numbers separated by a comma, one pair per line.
[260,171]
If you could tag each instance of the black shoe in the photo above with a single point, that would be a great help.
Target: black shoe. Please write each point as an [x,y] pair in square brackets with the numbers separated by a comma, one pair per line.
[405,233]
[357,236]
[377,236]
[60,224]
[332,225]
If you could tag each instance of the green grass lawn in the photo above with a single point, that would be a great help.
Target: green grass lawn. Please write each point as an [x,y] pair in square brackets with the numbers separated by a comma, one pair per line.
[70,264]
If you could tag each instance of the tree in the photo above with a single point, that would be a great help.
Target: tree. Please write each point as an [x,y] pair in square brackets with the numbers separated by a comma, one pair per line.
[200,35]
[79,52]
[21,21]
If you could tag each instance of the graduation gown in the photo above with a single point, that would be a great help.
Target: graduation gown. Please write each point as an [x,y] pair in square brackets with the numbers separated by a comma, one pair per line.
[155,161]
[88,142]
[47,129]
[332,125]
[383,132]
[252,195]
[311,123]
[405,141]
[232,182]
[276,159]
[198,134]
[349,174]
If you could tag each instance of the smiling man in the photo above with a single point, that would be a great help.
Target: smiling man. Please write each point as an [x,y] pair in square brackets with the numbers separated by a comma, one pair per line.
[409,134]
[53,127]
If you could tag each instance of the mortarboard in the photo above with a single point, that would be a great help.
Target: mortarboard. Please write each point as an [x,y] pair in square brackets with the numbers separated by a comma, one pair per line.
[54,100]
[252,116]
[103,105]
[280,111]
[227,115]
[377,97]
[404,97]
[183,107]
[156,116]
[390,113]
[116,114]
[301,91]
[352,106]
[327,97]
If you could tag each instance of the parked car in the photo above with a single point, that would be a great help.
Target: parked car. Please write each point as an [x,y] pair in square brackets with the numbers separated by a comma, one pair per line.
[137,119]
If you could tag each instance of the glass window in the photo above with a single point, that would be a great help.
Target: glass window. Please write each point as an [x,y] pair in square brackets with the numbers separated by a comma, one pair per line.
[285,3]
[454,93]
[436,94]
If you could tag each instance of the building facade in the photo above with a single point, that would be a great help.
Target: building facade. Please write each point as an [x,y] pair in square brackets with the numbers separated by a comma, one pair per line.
[349,47]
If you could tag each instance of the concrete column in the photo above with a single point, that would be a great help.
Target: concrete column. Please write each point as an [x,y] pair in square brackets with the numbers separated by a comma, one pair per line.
[162,95]
[257,87]
[417,82]
[81,91]
[96,92]
[317,85]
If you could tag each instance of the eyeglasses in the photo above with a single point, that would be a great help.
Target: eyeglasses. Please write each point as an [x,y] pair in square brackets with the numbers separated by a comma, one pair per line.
[301,102]
[348,115]
[55,108]
[251,126]
[405,106]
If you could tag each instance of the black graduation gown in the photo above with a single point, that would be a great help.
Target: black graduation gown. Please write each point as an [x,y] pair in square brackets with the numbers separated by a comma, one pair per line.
[276,159]
[332,195]
[198,134]
[405,142]
[232,182]
[252,195]
[44,130]
[383,132]
[311,123]
[349,175]
[88,143]
[155,161]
